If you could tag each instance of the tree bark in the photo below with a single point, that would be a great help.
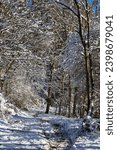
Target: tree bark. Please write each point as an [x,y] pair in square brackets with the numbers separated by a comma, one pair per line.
[69,98]
[61,98]
[75,101]
[49,75]
[48,100]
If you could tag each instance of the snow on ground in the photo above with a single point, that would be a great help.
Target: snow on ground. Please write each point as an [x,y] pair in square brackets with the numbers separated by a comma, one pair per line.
[22,131]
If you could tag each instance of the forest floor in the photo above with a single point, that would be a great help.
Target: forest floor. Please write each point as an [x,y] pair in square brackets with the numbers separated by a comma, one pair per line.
[31,130]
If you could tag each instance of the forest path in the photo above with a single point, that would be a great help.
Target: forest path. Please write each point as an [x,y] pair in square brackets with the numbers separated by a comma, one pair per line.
[30,130]
[45,132]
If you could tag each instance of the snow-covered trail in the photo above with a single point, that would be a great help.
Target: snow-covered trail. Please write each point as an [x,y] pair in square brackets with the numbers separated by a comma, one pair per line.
[46,132]
[23,131]
[26,133]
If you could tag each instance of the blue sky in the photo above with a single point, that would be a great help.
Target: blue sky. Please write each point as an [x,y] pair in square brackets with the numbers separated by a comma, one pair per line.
[90,1]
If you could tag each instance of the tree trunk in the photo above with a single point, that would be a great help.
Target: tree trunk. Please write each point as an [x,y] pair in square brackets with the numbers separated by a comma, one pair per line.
[48,100]
[60,103]
[86,49]
[62,89]
[69,98]
[75,101]
[87,46]
[49,75]
[92,84]
[87,78]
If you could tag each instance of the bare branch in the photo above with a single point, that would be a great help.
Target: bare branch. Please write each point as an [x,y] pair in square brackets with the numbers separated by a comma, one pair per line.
[66,6]
[79,21]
